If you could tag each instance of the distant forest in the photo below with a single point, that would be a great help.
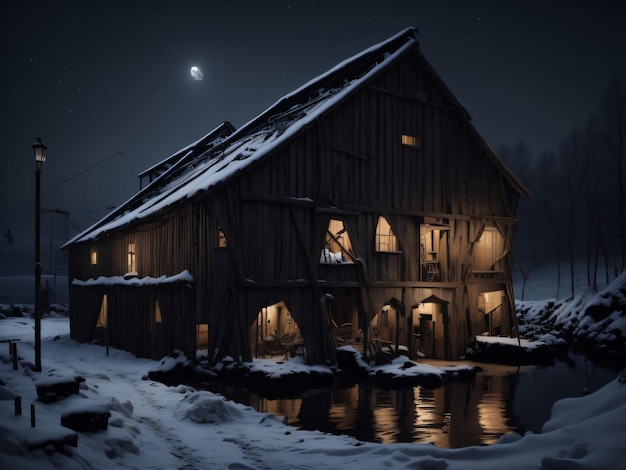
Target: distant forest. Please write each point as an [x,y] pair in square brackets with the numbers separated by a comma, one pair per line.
[577,210]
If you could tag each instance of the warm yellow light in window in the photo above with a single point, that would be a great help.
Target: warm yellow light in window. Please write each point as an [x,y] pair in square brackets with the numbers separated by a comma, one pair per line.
[202,336]
[103,314]
[409,140]
[385,238]
[132,260]
[94,256]
[157,313]
[337,246]
[221,238]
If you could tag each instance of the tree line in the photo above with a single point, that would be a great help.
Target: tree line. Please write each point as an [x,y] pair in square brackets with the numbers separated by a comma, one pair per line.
[577,210]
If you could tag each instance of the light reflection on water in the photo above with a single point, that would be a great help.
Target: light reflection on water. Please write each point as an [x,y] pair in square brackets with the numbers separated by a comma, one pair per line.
[501,399]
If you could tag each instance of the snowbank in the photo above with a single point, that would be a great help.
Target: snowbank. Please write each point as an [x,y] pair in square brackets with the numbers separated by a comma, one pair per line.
[589,320]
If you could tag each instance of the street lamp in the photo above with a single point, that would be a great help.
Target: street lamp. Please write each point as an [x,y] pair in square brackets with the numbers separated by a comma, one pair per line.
[39,150]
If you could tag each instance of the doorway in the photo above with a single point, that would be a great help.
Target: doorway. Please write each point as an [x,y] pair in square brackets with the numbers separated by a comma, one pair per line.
[274,333]
[430,328]
[491,306]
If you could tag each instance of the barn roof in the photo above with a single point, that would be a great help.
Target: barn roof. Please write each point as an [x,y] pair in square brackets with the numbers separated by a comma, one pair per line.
[223,152]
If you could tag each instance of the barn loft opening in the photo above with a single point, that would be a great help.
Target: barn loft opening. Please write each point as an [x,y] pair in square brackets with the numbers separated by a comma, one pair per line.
[337,244]
[434,249]
[274,333]
[386,240]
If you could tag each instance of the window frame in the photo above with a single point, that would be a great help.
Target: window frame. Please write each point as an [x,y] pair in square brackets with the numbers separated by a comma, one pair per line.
[334,237]
[132,258]
[409,140]
[221,240]
[391,236]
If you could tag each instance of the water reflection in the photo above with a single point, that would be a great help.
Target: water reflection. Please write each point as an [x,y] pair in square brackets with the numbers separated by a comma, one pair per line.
[499,400]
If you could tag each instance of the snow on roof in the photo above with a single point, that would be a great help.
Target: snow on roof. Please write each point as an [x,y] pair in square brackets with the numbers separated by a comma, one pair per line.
[222,153]
[209,140]
[204,169]
[183,276]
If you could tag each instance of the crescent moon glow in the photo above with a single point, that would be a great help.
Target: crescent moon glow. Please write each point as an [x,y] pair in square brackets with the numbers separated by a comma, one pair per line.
[196,73]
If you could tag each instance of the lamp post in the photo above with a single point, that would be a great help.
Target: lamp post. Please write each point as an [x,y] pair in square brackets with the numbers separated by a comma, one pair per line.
[39,150]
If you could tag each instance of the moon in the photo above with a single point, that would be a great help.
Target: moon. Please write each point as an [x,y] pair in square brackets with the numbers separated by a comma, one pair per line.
[196,73]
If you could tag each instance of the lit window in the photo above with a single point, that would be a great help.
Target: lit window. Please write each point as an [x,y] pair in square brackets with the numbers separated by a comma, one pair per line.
[132,258]
[385,238]
[202,336]
[103,314]
[94,256]
[409,140]
[221,239]
[157,319]
[157,313]
[337,246]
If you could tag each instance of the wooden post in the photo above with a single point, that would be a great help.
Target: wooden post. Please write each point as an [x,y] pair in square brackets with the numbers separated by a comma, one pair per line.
[32,415]
[446,331]
[18,406]
[14,355]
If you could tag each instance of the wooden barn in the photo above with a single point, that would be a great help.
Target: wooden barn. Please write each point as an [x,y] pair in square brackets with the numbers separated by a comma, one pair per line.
[363,208]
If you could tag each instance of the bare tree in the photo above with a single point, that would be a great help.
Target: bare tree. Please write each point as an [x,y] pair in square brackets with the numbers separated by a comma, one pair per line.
[589,165]
[570,160]
[548,180]
[524,269]
[614,114]
[522,163]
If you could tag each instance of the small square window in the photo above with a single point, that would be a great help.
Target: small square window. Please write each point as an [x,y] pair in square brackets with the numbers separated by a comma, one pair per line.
[409,140]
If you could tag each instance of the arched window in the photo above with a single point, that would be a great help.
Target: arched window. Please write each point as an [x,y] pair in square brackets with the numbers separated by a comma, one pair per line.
[385,238]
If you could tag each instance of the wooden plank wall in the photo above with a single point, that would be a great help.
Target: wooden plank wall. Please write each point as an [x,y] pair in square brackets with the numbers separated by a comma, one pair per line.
[132,325]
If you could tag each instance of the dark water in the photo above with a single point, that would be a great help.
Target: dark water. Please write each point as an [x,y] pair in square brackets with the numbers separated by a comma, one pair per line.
[499,400]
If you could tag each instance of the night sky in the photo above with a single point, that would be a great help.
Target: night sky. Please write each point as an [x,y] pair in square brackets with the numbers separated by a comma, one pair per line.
[94,78]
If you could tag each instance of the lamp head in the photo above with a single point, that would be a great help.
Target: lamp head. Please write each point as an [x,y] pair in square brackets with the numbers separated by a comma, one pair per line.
[39,150]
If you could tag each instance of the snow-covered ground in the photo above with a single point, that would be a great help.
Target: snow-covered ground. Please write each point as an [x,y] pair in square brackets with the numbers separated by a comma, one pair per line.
[591,320]
[153,426]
